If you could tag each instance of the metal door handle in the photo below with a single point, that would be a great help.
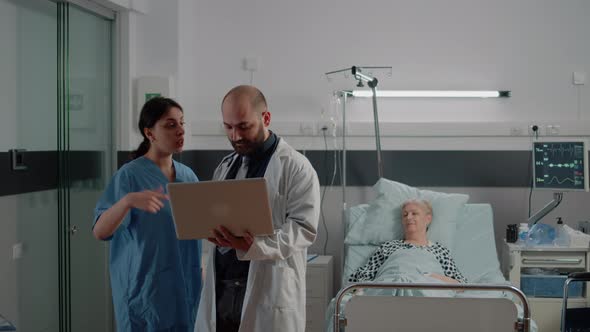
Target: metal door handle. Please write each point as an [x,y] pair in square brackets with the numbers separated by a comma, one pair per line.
[73,230]
[552,260]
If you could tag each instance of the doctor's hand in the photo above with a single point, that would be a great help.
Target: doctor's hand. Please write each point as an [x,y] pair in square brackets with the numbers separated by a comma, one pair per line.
[147,200]
[224,238]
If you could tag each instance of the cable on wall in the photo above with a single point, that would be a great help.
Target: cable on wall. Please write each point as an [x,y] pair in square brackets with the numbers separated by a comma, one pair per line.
[535,136]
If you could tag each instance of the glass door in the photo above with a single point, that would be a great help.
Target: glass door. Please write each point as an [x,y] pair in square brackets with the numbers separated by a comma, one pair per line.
[29,270]
[88,164]
[56,152]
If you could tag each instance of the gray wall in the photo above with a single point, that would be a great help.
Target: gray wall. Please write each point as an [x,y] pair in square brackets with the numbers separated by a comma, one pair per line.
[529,47]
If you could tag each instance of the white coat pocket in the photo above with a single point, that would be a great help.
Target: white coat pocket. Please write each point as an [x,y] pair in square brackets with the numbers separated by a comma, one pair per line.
[284,286]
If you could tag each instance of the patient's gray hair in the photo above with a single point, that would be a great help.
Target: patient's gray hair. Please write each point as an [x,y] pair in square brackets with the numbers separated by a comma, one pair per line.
[422,202]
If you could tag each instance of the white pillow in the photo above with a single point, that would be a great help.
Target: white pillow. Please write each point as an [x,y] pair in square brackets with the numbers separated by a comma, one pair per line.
[382,220]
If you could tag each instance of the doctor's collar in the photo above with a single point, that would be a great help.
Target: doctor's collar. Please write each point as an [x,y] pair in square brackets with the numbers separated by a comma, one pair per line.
[265,148]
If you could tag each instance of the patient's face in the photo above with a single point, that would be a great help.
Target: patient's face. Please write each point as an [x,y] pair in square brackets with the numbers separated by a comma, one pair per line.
[415,218]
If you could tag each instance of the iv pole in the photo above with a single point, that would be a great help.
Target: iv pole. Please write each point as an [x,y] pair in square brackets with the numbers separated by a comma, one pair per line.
[344,94]
[372,83]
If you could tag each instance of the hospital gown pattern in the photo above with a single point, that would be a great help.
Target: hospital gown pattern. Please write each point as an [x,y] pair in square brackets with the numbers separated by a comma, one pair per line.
[442,254]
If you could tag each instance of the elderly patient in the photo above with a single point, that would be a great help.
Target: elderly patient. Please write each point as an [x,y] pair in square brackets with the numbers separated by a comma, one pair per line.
[414,255]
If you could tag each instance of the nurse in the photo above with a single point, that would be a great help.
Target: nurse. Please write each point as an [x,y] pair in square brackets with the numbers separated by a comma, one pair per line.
[155,278]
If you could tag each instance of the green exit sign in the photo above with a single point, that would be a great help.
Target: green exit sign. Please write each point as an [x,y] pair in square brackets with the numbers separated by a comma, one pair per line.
[151,95]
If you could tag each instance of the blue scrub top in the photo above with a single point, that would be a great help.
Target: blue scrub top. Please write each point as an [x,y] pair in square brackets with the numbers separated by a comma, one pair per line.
[155,278]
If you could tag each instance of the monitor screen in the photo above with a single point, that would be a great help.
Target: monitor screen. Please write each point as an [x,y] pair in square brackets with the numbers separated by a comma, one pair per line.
[560,165]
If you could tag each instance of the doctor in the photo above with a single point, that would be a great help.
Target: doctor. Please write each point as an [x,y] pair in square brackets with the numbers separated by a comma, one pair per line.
[257,283]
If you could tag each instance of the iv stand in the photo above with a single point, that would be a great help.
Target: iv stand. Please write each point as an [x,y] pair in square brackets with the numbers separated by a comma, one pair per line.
[372,83]
[344,94]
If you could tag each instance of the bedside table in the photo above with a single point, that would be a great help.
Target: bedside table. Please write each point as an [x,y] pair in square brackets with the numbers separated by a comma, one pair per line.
[319,291]
[546,312]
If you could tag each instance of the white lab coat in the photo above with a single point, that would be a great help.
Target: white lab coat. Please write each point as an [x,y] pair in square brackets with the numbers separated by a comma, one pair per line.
[275,294]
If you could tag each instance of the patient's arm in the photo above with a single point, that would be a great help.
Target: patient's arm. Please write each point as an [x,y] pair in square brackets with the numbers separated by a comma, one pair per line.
[369,270]
[449,266]
[444,278]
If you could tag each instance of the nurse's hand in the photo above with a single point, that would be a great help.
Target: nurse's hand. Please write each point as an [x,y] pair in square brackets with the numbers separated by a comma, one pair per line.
[147,200]
[224,238]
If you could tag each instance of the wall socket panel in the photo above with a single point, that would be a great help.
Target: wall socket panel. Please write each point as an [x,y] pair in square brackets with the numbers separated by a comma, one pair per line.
[544,130]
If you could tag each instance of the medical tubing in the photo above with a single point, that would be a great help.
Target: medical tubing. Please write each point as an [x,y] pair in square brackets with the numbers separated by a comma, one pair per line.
[331,184]
[535,129]
[324,191]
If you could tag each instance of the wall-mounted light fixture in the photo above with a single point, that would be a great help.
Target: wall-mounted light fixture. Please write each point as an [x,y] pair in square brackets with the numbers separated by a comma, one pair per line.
[432,94]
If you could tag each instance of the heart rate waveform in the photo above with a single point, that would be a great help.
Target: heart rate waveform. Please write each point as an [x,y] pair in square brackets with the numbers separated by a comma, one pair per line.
[558,181]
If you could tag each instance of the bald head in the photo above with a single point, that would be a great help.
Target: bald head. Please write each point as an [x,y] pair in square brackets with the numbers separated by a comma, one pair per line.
[246,94]
[245,118]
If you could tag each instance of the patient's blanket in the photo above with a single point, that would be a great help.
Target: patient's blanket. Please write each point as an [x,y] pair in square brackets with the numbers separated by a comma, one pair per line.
[412,265]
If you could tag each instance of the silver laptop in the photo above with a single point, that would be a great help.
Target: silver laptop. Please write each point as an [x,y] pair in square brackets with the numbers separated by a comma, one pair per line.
[238,205]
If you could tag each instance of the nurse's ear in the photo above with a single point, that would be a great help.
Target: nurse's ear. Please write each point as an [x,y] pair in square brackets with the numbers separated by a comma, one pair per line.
[148,133]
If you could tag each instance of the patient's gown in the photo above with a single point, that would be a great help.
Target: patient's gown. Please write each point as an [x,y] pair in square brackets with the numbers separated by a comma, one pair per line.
[155,277]
[400,249]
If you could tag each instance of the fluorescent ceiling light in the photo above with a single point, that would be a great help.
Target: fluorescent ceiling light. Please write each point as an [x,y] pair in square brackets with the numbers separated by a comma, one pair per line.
[432,93]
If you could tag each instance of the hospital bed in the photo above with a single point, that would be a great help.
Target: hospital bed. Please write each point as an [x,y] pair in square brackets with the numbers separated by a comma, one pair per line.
[487,303]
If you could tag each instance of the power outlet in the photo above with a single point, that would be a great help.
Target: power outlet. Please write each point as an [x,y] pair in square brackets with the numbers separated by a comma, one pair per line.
[579,78]
[251,63]
[329,127]
[17,251]
[553,130]
[308,129]
[537,132]
[516,131]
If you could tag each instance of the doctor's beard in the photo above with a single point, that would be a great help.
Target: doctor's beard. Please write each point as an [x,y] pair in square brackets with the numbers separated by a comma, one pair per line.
[245,147]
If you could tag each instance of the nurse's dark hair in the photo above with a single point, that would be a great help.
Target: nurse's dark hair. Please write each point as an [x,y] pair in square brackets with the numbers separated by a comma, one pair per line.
[152,111]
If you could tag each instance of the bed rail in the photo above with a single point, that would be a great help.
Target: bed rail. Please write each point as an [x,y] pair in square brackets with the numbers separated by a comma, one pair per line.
[523,325]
